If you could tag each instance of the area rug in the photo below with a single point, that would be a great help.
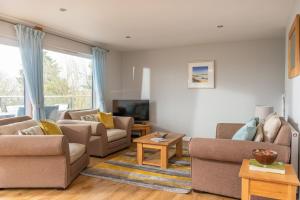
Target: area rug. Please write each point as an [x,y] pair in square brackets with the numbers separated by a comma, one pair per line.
[124,169]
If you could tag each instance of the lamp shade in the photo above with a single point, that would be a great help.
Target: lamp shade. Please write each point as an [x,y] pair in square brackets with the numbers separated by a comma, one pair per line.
[263,111]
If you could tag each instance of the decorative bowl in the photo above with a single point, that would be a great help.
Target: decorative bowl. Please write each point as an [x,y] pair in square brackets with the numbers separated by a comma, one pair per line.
[265,156]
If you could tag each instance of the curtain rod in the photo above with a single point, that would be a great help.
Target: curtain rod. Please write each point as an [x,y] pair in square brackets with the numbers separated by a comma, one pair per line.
[61,36]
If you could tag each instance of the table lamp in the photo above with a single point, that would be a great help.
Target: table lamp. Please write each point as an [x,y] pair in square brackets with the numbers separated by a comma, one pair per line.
[262,112]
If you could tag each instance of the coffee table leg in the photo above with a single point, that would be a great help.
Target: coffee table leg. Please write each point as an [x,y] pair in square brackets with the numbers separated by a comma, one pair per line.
[140,153]
[164,157]
[179,149]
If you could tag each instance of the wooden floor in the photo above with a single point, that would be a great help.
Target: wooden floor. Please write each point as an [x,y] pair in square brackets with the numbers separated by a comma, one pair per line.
[89,188]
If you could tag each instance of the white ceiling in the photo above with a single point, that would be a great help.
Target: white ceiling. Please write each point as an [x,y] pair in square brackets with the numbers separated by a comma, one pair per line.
[155,23]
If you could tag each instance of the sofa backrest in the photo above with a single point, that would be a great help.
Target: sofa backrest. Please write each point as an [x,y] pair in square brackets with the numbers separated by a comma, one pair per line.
[76,114]
[11,126]
[13,120]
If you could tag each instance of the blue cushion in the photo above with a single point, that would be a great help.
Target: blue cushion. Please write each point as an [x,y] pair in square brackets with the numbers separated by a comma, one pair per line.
[247,132]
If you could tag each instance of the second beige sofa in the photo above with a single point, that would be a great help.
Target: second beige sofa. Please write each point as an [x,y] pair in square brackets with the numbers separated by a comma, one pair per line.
[103,141]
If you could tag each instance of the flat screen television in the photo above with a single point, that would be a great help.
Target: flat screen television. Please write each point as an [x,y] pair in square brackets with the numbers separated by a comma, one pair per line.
[138,109]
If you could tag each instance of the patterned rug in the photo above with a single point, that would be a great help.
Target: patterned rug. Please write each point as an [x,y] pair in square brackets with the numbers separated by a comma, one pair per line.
[124,169]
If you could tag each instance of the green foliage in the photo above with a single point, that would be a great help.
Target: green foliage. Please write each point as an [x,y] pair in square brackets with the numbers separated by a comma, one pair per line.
[73,86]
[53,83]
[11,90]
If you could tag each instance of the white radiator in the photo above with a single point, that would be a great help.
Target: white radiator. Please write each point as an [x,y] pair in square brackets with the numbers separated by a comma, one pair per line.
[295,149]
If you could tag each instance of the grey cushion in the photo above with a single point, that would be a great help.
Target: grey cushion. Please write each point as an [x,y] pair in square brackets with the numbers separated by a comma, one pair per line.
[271,128]
[92,118]
[75,115]
[35,130]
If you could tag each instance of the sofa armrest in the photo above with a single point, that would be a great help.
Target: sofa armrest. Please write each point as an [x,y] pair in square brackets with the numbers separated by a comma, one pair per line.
[232,150]
[124,123]
[33,145]
[77,133]
[227,130]
[97,128]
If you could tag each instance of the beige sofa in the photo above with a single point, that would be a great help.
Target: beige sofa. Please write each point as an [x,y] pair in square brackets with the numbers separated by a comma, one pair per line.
[39,161]
[216,162]
[103,141]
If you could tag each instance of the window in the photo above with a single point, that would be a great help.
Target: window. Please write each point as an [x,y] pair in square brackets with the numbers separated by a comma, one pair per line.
[67,82]
[11,82]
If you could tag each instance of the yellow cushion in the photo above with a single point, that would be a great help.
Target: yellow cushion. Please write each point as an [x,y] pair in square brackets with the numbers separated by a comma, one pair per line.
[106,119]
[50,128]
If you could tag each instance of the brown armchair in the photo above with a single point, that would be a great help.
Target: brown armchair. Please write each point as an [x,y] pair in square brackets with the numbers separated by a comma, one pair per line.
[216,162]
[103,141]
[39,161]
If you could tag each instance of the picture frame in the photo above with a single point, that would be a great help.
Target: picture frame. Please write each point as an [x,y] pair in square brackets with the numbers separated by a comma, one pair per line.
[201,75]
[294,49]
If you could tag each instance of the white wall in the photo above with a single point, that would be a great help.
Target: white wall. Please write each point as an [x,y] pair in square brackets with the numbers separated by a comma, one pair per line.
[292,86]
[51,42]
[112,78]
[246,74]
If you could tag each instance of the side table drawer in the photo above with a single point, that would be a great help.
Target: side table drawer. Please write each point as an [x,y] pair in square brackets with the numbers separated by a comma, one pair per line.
[267,189]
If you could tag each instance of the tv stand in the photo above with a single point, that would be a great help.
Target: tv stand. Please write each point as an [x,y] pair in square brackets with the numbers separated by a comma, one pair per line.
[142,128]
[141,122]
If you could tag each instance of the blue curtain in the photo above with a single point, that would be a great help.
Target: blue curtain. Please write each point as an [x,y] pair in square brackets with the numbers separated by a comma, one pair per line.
[30,43]
[99,56]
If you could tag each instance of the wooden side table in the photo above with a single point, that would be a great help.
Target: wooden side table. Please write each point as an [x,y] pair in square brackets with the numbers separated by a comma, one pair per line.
[270,185]
[142,128]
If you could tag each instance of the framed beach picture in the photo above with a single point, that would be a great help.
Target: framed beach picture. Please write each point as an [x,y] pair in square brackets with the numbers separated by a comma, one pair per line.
[201,75]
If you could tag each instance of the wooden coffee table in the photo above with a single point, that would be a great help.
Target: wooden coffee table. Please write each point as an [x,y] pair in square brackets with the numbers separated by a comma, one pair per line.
[145,142]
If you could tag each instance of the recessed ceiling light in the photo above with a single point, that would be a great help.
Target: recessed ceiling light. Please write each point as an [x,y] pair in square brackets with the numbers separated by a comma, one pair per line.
[62,9]
[127,36]
[220,26]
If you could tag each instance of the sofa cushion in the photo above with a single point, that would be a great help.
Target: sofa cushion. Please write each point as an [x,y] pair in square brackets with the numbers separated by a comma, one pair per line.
[75,115]
[247,132]
[94,138]
[12,129]
[259,136]
[115,134]
[284,135]
[50,128]
[271,128]
[91,118]
[106,119]
[76,151]
[35,130]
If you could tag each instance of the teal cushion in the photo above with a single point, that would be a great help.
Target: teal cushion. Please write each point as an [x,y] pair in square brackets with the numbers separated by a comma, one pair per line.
[247,132]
